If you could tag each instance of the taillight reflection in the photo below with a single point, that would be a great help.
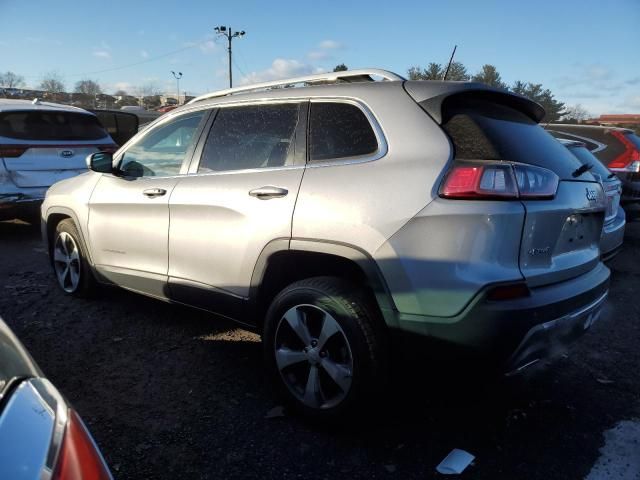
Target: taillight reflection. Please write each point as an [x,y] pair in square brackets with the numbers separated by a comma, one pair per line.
[79,457]
[499,181]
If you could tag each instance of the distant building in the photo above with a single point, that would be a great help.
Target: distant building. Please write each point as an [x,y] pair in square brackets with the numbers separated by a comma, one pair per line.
[616,119]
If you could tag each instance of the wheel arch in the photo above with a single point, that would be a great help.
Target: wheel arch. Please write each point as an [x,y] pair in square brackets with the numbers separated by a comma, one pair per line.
[52,218]
[283,262]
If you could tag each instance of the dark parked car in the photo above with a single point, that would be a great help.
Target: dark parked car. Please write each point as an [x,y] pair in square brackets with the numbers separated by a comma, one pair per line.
[41,436]
[615,218]
[617,148]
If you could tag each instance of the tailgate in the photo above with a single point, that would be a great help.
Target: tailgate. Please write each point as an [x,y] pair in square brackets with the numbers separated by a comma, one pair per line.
[561,237]
[43,166]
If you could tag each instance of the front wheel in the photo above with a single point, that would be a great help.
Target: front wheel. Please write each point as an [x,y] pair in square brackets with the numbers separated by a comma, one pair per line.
[324,347]
[69,260]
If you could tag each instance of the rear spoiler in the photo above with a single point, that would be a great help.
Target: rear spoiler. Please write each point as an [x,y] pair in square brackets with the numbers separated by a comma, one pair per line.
[432,95]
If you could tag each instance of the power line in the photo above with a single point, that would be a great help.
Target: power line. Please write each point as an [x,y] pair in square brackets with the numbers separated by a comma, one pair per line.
[128,65]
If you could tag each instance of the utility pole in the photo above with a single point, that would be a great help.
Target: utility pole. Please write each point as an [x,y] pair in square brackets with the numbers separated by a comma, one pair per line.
[177,76]
[227,32]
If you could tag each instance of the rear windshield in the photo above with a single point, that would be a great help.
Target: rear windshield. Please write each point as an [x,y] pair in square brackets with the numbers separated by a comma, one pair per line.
[50,125]
[481,130]
[586,157]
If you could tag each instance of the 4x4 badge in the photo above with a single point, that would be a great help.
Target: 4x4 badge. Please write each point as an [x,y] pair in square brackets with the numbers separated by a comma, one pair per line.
[592,195]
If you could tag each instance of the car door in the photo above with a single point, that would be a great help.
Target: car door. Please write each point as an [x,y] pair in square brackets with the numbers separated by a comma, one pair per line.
[239,196]
[129,210]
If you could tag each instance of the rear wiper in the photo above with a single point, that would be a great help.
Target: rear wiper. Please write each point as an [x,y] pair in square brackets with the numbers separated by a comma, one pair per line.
[580,170]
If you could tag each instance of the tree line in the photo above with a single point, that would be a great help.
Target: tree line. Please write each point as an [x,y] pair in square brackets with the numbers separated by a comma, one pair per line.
[53,83]
[489,75]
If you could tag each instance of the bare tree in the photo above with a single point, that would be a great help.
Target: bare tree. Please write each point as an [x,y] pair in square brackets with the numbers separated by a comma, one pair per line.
[52,82]
[88,87]
[11,80]
[575,113]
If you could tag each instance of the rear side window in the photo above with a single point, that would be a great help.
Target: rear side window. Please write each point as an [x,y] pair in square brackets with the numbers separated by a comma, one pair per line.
[481,130]
[50,125]
[339,130]
[257,136]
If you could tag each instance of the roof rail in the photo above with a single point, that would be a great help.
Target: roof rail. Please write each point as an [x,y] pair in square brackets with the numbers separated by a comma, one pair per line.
[355,75]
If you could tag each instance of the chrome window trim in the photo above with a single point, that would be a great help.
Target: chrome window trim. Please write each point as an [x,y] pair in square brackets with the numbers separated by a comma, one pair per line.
[383,146]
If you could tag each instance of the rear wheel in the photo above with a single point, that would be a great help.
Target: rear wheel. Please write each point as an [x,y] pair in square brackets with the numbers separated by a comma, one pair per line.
[70,261]
[324,347]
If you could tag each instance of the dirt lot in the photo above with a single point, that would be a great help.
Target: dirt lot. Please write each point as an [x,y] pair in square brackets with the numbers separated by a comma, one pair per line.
[170,392]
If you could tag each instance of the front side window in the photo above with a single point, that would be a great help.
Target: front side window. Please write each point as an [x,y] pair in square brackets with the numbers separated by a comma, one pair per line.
[249,137]
[160,152]
[339,130]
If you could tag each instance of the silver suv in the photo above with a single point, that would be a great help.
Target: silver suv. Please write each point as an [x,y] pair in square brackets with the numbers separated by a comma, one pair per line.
[340,219]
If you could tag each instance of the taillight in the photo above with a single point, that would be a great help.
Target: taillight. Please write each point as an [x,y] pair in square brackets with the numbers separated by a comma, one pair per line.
[486,180]
[108,148]
[79,457]
[627,161]
[12,151]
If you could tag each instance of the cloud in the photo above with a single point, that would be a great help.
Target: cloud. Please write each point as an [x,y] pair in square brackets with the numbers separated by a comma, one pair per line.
[208,46]
[102,54]
[631,81]
[631,103]
[144,54]
[103,51]
[330,45]
[317,55]
[281,68]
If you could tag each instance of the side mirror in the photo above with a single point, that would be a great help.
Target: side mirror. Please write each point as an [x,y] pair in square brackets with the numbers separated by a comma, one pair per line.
[101,162]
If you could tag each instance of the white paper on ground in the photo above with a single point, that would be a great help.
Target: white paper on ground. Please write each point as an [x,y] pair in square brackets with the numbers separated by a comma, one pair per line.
[455,462]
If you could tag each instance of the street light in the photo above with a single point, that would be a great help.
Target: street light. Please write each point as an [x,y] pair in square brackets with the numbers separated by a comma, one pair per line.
[227,32]
[177,76]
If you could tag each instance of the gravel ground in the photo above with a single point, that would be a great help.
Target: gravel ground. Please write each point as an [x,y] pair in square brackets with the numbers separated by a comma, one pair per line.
[170,392]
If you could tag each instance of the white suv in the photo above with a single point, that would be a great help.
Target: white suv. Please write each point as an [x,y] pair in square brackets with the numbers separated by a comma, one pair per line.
[40,144]
[344,220]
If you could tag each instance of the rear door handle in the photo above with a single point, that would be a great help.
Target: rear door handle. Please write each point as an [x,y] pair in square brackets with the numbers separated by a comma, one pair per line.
[154,192]
[267,192]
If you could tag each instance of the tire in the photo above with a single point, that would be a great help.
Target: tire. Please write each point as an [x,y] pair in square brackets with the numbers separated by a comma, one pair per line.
[342,360]
[69,261]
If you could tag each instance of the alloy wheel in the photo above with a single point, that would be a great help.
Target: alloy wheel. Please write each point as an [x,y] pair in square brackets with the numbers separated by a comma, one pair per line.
[313,356]
[66,262]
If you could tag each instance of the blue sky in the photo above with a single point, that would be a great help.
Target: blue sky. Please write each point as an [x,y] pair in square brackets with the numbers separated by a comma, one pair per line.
[585,51]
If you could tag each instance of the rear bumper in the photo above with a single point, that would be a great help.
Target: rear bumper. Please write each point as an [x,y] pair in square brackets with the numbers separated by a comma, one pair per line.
[20,205]
[496,330]
[552,338]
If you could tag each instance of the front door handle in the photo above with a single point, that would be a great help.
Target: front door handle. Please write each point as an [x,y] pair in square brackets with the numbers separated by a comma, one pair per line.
[265,193]
[154,192]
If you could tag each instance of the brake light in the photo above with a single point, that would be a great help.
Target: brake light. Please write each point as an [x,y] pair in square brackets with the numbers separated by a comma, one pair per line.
[79,456]
[483,181]
[629,160]
[12,151]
